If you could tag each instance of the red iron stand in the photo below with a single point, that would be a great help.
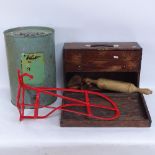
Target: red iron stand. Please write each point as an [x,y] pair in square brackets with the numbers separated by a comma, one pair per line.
[74,102]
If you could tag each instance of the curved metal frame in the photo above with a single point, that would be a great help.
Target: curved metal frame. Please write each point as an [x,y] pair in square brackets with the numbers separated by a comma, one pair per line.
[21,105]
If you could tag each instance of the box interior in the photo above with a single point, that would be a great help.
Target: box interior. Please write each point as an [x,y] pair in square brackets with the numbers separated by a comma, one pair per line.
[132,106]
[121,76]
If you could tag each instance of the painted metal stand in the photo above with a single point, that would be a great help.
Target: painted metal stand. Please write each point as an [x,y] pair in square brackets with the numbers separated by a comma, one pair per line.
[22,87]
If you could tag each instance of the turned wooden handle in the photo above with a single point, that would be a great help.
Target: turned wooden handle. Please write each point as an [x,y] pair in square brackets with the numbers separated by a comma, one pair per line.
[118,86]
[145,91]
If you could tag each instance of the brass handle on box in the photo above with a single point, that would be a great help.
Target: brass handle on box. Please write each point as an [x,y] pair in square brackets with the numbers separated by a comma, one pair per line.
[101,45]
[104,46]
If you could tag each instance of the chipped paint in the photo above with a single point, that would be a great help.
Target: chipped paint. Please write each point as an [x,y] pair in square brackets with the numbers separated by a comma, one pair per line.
[33,63]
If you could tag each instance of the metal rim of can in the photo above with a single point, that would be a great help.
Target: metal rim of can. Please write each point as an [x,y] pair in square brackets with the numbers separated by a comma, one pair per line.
[11,32]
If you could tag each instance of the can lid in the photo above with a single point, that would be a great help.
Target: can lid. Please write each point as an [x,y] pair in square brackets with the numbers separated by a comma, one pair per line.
[29,31]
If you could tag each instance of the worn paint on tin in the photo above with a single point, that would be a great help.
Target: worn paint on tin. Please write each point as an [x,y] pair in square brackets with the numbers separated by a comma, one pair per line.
[33,63]
[31,40]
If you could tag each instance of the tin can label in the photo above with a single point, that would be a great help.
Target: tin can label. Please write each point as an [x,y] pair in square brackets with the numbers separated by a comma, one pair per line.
[33,63]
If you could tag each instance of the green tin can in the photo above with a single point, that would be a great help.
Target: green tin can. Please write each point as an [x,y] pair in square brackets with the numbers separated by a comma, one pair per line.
[32,50]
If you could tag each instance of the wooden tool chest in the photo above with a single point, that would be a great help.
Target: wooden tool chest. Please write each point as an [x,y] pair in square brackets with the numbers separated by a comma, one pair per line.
[112,60]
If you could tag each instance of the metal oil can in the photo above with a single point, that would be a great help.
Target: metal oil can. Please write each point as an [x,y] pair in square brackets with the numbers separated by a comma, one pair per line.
[32,50]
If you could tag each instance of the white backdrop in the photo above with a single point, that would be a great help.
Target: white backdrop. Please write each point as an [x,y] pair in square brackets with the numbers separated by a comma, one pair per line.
[78,20]
[84,20]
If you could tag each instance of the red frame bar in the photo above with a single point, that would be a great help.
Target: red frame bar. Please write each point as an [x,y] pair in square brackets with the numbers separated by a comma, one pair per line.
[21,104]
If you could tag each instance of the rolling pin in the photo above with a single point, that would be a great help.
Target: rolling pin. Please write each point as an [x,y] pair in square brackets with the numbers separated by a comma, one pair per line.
[118,86]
